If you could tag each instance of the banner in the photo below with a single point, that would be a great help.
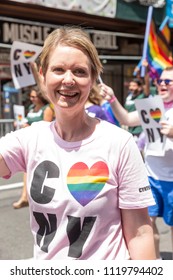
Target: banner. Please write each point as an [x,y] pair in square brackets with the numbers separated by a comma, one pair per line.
[21,55]
[151,112]
[106,8]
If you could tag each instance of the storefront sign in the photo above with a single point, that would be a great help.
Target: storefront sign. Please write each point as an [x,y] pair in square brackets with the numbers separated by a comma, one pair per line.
[28,33]
[36,33]
[104,40]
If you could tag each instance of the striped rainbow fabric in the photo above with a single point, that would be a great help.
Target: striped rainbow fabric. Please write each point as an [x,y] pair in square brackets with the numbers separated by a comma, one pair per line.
[158,54]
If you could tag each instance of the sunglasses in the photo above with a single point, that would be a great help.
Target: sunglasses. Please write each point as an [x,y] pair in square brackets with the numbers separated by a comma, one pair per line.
[166,81]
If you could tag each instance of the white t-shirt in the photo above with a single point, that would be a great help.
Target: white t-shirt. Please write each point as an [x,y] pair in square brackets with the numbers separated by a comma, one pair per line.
[76,189]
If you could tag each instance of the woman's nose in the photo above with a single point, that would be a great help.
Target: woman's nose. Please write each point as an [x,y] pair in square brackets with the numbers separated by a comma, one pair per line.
[68,79]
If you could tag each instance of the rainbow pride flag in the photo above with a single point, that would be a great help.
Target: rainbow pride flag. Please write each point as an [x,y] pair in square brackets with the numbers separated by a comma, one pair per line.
[158,52]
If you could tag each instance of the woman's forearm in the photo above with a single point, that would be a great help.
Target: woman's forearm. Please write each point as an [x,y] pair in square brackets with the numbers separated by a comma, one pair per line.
[125,118]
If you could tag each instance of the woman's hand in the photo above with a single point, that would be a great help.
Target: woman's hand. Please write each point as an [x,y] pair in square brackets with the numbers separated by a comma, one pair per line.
[166,129]
[106,92]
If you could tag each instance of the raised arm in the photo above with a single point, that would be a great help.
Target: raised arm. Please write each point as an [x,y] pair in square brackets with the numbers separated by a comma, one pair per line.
[125,118]
[4,170]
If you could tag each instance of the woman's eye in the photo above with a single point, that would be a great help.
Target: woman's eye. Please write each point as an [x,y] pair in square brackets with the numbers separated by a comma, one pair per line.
[58,70]
[80,72]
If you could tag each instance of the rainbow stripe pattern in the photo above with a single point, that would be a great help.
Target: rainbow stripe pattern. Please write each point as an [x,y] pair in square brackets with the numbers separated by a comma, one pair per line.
[29,54]
[19,118]
[159,53]
[85,184]
[156,114]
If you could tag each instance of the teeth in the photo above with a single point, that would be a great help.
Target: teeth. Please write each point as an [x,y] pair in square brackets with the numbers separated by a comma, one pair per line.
[67,94]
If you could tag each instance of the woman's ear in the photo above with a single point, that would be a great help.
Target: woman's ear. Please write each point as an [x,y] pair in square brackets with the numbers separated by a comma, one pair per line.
[37,74]
[42,81]
[40,72]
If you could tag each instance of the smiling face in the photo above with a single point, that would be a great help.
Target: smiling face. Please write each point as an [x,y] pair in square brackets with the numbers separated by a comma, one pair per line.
[134,88]
[166,91]
[68,78]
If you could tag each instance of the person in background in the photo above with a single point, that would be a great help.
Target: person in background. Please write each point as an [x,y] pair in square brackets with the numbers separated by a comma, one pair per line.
[96,106]
[84,174]
[39,110]
[136,91]
[106,105]
[149,80]
[159,168]
[93,105]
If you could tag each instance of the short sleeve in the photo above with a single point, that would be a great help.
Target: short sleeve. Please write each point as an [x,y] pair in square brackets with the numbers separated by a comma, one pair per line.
[134,189]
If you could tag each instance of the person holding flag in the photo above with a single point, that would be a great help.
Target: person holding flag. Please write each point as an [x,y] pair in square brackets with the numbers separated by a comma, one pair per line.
[159,168]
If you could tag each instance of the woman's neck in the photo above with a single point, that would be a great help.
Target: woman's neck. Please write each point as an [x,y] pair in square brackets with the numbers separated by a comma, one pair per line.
[75,129]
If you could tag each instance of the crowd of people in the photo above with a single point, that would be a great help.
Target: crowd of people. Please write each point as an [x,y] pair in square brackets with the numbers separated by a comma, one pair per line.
[90,193]
[159,168]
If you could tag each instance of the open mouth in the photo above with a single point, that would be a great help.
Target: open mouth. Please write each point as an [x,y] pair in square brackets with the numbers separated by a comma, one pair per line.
[68,94]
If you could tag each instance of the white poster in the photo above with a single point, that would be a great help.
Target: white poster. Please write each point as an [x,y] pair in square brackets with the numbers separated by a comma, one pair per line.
[21,55]
[151,112]
[19,115]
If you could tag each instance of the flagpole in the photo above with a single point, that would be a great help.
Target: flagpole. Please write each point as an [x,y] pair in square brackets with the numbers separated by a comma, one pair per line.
[147,30]
[164,23]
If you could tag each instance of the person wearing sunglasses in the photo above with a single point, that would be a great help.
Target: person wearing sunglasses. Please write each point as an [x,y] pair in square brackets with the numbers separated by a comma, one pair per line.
[167,82]
[160,168]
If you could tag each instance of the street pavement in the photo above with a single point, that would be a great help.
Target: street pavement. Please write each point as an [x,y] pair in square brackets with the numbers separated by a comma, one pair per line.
[16,241]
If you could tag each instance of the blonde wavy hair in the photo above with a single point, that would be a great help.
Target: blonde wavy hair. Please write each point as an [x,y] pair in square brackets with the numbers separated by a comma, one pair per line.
[74,37]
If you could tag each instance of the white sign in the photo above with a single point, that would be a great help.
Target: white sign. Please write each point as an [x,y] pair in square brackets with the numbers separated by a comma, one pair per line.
[21,55]
[151,112]
[19,115]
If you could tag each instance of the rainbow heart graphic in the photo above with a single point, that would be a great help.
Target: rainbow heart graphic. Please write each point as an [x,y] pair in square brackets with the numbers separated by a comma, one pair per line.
[156,114]
[29,54]
[85,184]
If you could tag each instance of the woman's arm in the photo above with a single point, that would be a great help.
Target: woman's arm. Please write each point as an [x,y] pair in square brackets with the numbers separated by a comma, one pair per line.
[4,170]
[138,234]
[125,118]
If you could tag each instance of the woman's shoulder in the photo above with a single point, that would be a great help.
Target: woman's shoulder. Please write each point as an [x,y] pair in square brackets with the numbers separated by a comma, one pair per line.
[112,128]
[45,106]
[30,107]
